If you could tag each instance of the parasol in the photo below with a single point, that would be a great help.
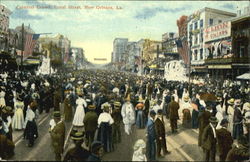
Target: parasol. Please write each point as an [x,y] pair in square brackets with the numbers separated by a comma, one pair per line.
[208,97]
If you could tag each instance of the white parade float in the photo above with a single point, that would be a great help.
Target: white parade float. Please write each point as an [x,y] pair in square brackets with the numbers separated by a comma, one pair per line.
[175,70]
[45,68]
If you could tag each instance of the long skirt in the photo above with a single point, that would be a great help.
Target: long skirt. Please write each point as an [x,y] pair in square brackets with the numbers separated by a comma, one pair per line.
[79,116]
[186,118]
[105,136]
[18,119]
[237,130]
[30,132]
[195,122]
[140,119]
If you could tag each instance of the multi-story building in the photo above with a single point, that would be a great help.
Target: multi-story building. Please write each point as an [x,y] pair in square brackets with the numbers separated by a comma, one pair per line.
[4,26]
[196,23]
[119,49]
[59,41]
[77,55]
[133,53]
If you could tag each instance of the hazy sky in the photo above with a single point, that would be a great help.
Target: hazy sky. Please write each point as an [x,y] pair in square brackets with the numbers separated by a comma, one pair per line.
[94,29]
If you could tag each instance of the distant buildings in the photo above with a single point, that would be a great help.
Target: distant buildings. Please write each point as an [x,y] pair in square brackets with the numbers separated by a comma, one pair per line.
[4,26]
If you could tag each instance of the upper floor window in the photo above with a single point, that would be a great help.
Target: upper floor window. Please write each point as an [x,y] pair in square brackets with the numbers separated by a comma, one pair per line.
[195,54]
[201,23]
[201,37]
[201,53]
[211,22]
[191,27]
[219,21]
[195,25]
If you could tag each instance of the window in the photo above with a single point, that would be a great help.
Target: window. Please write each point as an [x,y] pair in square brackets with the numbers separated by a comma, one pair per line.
[191,27]
[201,23]
[211,21]
[195,25]
[219,21]
[201,53]
[195,54]
[201,37]
[196,39]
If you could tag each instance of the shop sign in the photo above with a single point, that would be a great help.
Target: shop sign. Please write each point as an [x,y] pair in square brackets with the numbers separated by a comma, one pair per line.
[218,31]
[219,66]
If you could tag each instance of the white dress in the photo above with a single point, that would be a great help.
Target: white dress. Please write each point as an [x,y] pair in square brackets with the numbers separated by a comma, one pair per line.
[18,119]
[2,100]
[80,112]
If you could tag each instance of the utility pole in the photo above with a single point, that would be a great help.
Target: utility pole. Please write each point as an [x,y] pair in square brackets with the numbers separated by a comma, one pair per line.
[22,50]
[189,63]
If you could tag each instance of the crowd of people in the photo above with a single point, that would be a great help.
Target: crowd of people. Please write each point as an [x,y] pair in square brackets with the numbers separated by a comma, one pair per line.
[99,103]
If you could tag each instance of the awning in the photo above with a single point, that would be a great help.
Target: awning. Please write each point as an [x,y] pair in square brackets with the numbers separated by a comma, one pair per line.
[245,76]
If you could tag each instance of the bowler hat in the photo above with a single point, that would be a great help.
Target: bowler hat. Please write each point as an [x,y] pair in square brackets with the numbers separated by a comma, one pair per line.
[56,114]
[160,111]
[224,121]
[152,112]
[213,120]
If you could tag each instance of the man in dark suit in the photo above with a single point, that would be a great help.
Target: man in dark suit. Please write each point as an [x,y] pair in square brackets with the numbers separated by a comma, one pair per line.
[173,114]
[203,120]
[160,134]
[57,133]
[225,140]
[151,137]
[90,123]
[209,140]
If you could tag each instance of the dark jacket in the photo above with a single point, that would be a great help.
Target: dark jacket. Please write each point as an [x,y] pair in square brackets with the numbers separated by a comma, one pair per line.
[90,121]
[159,128]
[225,141]
[203,122]
[77,154]
[173,110]
[208,140]
[238,154]
[58,137]
[93,157]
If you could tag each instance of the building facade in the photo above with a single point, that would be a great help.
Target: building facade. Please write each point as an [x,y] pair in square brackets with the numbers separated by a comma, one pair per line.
[77,56]
[4,26]
[196,23]
[119,49]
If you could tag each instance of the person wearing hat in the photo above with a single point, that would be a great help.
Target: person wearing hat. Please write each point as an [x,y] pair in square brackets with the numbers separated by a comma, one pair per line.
[139,151]
[173,108]
[80,112]
[237,120]
[117,116]
[68,111]
[105,121]
[57,133]
[160,134]
[203,120]
[209,140]
[6,146]
[239,152]
[186,109]
[151,136]
[224,139]
[219,113]
[18,118]
[128,115]
[230,114]
[7,114]
[90,124]
[2,97]
[57,99]
[30,132]
[77,153]
[96,151]
[140,116]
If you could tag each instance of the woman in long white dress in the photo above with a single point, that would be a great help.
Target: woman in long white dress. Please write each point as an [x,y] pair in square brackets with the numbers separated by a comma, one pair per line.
[2,100]
[18,118]
[80,112]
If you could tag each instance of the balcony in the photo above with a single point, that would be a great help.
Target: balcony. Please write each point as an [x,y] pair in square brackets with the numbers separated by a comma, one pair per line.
[227,60]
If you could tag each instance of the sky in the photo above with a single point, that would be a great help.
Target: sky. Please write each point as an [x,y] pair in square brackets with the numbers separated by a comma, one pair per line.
[93,26]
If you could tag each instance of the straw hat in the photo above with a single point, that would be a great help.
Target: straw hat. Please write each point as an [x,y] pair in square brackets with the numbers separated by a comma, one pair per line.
[117,104]
[77,136]
[231,101]
[186,98]
[91,107]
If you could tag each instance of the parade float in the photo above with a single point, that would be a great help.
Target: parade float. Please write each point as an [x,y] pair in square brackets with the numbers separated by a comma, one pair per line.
[175,70]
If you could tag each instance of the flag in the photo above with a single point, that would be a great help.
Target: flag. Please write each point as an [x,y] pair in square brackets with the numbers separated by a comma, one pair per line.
[30,44]
[182,47]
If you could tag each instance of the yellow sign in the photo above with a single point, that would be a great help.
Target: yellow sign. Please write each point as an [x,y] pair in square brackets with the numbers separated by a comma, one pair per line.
[219,66]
